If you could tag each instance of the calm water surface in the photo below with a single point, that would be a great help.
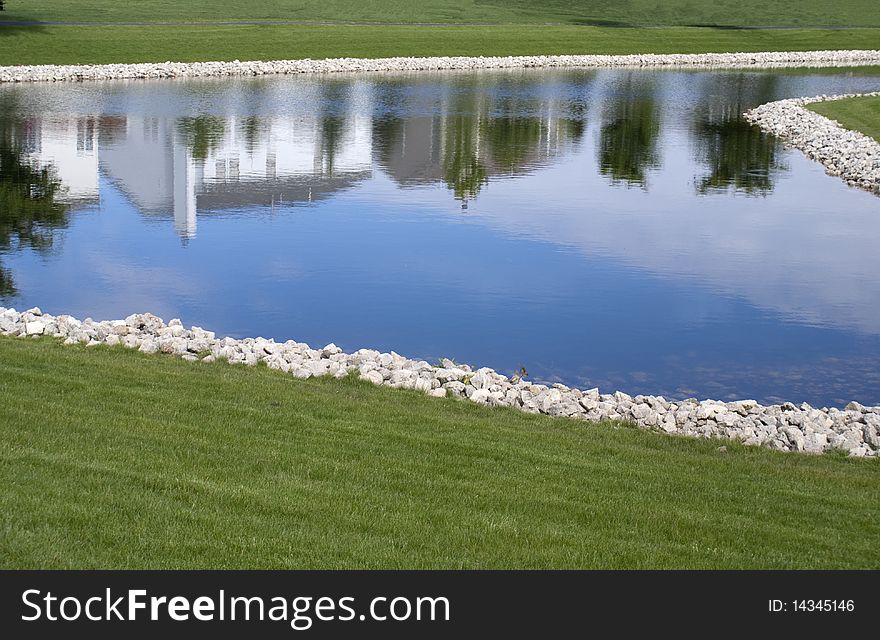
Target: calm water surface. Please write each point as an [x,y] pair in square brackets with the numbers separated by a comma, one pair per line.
[624,229]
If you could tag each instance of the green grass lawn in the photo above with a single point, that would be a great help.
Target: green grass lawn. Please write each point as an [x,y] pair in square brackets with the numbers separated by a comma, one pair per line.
[602,12]
[859,114]
[108,44]
[520,27]
[114,459]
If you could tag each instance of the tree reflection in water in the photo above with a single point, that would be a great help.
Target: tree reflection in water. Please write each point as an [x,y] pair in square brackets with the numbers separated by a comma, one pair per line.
[334,106]
[479,132]
[736,153]
[201,134]
[630,130]
[463,170]
[29,210]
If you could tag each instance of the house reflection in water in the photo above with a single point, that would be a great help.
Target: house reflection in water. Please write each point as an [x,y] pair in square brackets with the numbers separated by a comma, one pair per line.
[174,167]
[70,147]
[187,165]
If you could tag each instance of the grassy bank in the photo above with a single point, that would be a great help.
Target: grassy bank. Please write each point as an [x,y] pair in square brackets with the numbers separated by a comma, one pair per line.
[108,44]
[110,458]
[859,114]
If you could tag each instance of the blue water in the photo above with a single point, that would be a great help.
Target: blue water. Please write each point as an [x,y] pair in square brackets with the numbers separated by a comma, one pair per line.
[618,229]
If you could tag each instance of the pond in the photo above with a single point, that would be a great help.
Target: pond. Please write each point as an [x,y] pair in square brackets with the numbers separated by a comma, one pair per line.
[615,228]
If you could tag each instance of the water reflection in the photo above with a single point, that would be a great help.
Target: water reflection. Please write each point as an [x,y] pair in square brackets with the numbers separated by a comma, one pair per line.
[737,154]
[297,200]
[463,170]
[31,203]
[630,131]
[479,133]
[30,210]
[201,135]
[210,164]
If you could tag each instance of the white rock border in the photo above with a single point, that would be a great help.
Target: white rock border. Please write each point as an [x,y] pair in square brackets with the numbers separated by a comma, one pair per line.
[851,155]
[786,427]
[772,59]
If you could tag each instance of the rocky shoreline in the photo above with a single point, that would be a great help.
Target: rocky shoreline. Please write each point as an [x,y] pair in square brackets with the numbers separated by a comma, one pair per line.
[851,155]
[785,427]
[59,73]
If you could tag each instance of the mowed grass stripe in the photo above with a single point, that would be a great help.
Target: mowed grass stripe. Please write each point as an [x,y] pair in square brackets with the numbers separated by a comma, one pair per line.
[681,12]
[130,44]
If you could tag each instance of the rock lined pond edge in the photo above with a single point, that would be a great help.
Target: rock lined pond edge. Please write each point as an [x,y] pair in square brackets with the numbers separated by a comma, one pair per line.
[850,155]
[775,59]
[785,427]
